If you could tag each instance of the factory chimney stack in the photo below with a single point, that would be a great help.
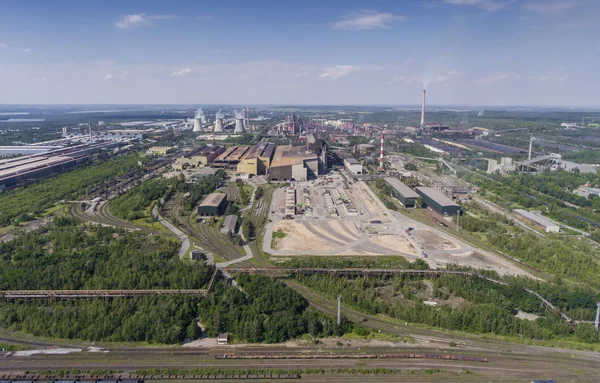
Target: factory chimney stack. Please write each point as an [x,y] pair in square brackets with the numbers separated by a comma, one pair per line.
[597,322]
[381,154]
[423,109]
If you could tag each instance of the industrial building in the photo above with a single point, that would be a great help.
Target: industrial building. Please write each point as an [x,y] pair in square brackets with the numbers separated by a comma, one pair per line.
[25,150]
[230,158]
[438,202]
[207,155]
[548,225]
[257,160]
[16,170]
[213,204]
[401,192]
[229,224]
[160,150]
[317,146]
[353,166]
[295,163]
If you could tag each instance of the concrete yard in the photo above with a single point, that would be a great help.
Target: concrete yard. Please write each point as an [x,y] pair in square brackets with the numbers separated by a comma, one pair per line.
[337,216]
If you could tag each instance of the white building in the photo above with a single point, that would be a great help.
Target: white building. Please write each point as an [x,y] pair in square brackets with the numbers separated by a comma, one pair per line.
[547,224]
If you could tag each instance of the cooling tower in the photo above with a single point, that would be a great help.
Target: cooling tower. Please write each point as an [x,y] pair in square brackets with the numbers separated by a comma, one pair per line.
[197,125]
[219,125]
[239,125]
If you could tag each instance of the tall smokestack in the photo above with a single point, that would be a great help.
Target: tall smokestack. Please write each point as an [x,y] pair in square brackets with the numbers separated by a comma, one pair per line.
[197,125]
[423,109]
[381,154]
[530,147]
[219,125]
[90,126]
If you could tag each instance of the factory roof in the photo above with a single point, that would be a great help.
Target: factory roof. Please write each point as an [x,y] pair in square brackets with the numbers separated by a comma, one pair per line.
[540,220]
[437,196]
[352,160]
[213,199]
[291,155]
[43,162]
[229,223]
[261,150]
[208,150]
[232,154]
[401,188]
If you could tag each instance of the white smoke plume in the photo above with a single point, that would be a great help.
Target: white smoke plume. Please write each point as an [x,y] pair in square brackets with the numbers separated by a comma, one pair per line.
[199,113]
[239,115]
[220,114]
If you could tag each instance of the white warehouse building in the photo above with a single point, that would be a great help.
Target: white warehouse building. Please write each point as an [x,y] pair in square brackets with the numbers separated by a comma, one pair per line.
[353,166]
[547,224]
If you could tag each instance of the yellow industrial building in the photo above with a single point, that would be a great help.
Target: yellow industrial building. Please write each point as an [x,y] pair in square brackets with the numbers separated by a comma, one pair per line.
[256,160]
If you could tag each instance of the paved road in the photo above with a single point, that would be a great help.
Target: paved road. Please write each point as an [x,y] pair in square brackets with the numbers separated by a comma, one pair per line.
[185,241]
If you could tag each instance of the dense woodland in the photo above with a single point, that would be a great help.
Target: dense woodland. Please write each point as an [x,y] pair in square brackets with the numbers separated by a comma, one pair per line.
[135,203]
[560,255]
[548,192]
[266,311]
[67,256]
[24,203]
[170,319]
[466,304]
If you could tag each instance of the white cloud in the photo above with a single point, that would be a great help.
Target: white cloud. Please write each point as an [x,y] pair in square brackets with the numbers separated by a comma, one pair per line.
[549,7]
[25,50]
[109,76]
[183,72]
[338,71]
[366,19]
[112,76]
[135,20]
[302,74]
[486,5]
[3,45]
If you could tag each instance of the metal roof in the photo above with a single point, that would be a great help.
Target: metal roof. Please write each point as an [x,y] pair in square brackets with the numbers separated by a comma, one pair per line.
[540,220]
[213,199]
[401,188]
[230,222]
[437,196]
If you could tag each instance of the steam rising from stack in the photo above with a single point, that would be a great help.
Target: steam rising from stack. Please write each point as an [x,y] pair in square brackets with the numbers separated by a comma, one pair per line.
[198,117]
[219,121]
[239,122]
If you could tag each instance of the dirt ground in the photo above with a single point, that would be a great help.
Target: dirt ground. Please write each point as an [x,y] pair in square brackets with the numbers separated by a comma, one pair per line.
[374,209]
[395,243]
[298,238]
[431,240]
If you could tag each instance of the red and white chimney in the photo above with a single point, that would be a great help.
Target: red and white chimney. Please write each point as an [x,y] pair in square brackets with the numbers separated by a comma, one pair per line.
[381,154]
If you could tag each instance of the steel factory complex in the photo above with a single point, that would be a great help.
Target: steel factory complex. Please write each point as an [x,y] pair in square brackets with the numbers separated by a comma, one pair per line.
[17,170]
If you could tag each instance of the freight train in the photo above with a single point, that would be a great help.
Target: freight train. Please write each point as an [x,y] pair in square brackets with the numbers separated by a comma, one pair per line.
[353,356]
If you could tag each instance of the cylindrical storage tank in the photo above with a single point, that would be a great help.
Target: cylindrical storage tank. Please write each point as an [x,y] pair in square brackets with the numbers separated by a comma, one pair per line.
[197,125]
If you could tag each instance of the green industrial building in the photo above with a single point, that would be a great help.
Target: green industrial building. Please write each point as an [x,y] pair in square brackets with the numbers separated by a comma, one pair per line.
[401,192]
[438,202]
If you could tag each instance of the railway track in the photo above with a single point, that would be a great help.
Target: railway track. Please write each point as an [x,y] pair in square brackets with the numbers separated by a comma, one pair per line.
[10,295]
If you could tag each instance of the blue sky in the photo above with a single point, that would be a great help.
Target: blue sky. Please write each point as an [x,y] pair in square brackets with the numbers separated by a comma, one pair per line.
[467,52]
